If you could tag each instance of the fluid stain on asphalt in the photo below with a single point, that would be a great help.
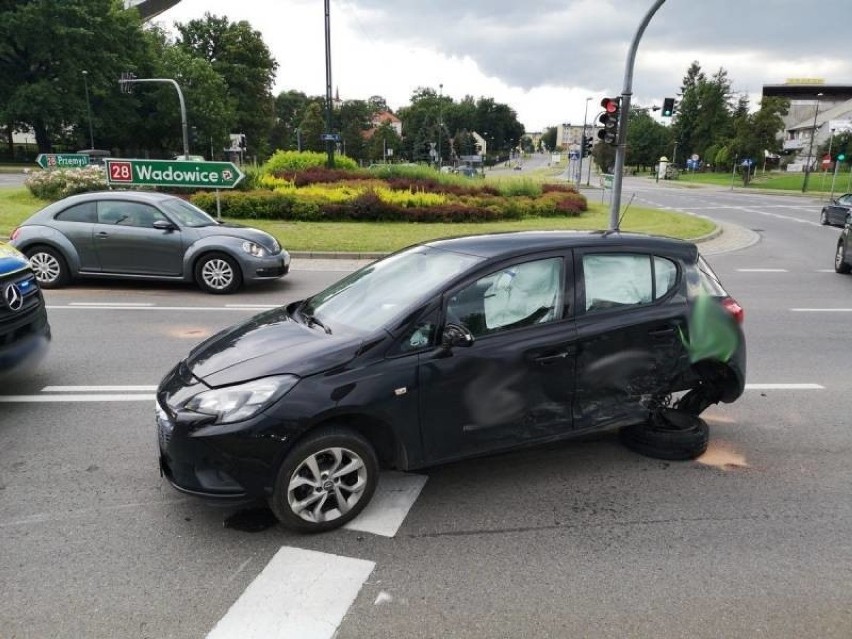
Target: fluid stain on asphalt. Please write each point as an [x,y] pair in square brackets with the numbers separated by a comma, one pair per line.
[721,456]
[190,332]
[251,520]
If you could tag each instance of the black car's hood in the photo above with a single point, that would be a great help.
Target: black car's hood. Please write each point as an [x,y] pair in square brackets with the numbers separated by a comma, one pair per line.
[271,343]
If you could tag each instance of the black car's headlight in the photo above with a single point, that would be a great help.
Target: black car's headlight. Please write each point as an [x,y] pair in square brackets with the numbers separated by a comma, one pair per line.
[255,249]
[236,403]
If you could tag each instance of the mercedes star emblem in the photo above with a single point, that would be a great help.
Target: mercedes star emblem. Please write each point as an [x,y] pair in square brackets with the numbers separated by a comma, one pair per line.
[13,296]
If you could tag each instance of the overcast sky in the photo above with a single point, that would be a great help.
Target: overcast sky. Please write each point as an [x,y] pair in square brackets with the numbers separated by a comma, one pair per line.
[541,57]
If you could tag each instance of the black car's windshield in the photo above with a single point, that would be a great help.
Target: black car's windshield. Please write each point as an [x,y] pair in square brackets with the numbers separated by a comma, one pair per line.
[380,293]
[187,214]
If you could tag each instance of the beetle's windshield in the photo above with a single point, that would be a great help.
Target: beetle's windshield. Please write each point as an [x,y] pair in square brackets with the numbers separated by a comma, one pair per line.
[381,293]
[186,213]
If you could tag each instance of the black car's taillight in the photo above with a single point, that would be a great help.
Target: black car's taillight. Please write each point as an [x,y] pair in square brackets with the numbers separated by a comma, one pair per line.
[736,311]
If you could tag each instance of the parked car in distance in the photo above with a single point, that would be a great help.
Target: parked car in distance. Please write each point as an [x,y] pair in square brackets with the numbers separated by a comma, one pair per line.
[145,235]
[96,156]
[834,213]
[24,329]
[447,350]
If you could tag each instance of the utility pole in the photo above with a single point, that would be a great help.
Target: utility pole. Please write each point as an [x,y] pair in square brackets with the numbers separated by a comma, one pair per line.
[583,146]
[89,110]
[329,143]
[621,140]
[811,147]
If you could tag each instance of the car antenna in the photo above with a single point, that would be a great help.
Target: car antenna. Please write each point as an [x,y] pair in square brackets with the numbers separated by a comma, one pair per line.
[618,226]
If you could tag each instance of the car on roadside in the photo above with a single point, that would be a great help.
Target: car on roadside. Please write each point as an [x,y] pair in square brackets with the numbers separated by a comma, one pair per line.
[24,329]
[447,350]
[145,235]
[834,213]
[843,249]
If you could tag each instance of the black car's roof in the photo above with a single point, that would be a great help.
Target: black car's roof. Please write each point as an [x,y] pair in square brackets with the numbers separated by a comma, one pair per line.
[495,245]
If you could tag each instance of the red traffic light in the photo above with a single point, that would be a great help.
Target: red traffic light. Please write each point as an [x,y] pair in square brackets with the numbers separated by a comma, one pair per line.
[611,105]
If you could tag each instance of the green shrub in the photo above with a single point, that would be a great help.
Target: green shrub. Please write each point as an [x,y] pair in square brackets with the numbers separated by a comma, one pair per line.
[293,161]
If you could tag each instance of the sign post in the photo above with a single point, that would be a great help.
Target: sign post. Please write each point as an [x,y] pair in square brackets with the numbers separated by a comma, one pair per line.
[62,160]
[173,173]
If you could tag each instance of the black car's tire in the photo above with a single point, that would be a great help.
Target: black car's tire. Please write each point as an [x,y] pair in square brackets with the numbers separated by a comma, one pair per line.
[308,503]
[823,218]
[668,434]
[840,266]
[49,266]
[218,273]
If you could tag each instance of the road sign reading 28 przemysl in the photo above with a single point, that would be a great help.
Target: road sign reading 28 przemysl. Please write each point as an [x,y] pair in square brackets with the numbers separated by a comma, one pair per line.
[176,173]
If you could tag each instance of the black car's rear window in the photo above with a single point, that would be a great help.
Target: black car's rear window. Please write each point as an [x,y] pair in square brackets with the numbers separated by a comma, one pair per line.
[710,282]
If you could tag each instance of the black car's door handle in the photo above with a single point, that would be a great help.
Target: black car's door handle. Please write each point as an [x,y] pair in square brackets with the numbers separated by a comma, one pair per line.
[102,234]
[555,357]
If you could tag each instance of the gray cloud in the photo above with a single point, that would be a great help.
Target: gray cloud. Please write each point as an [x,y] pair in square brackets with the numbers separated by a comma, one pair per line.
[583,43]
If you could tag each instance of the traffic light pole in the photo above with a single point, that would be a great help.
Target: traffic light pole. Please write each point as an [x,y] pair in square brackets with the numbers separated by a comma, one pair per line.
[184,128]
[621,140]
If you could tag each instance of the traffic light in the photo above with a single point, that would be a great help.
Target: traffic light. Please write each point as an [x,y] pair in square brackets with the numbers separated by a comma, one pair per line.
[587,146]
[609,120]
[841,153]
[668,107]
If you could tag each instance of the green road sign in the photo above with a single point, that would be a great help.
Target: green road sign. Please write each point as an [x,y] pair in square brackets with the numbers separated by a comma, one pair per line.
[62,160]
[179,173]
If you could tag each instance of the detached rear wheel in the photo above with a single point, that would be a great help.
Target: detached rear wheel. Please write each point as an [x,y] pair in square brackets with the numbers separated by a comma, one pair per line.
[668,434]
[325,481]
[218,273]
[840,265]
[50,268]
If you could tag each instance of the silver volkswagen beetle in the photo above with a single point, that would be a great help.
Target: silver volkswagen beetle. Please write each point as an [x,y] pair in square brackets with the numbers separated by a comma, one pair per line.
[145,235]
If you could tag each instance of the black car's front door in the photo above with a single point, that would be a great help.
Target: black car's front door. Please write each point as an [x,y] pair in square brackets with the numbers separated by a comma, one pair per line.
[515,383]
[631,321]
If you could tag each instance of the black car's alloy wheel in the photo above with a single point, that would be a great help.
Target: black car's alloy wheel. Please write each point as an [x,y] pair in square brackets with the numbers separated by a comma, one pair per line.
[668,434]
[840,265]
[325,481]
[49,266]
[218,273]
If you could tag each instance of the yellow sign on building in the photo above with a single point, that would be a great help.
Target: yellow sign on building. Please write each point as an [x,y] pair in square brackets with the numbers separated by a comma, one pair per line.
[804,81]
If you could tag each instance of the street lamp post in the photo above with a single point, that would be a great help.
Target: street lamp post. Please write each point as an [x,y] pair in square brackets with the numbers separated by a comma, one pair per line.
[89,110]
[329,143]
[583,145]
[811,147]
[440,123]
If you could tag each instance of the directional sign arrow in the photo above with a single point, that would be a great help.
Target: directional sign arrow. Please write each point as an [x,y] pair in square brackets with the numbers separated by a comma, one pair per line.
[62,160]
[177,173]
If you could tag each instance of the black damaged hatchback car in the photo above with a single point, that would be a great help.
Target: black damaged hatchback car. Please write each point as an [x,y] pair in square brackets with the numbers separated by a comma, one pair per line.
[450,349]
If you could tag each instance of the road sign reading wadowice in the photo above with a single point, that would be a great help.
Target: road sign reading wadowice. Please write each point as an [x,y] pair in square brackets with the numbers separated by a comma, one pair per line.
[176,173]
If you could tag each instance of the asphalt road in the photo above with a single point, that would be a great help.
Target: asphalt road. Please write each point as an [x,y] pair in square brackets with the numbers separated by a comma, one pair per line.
[583,539]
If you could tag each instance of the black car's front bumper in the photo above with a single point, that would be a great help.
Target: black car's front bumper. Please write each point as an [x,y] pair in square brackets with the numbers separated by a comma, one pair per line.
[220,463]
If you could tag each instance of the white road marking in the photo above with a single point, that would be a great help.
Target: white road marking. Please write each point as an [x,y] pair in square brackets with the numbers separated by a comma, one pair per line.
[394,497]
[784,387]
[97,389]
[37,399]
[821,310]
[825,270]
[122,307]
[128,304]
[300,594]
[251,306]
[762,270]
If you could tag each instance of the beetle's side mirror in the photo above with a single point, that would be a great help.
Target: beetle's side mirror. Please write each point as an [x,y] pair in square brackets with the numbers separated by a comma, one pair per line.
[164,225]
[456,335]
[848,219]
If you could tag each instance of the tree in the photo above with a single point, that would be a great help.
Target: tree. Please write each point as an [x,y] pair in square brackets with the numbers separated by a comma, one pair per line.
[548,138]
[238,54]
[688,113]
[384,138]
[41,85]
[647,139]
[353,119]
[312,127]
[290,108]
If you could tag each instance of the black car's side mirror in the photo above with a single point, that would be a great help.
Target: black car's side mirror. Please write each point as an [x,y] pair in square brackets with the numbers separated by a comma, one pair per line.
[456,335]
[164,225]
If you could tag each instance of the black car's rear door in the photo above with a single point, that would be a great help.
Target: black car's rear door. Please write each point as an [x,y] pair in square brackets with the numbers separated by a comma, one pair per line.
[632,314]
[515,383]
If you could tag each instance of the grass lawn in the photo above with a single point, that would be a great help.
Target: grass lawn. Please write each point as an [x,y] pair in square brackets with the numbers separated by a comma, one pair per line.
[16,204]
[819,182]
